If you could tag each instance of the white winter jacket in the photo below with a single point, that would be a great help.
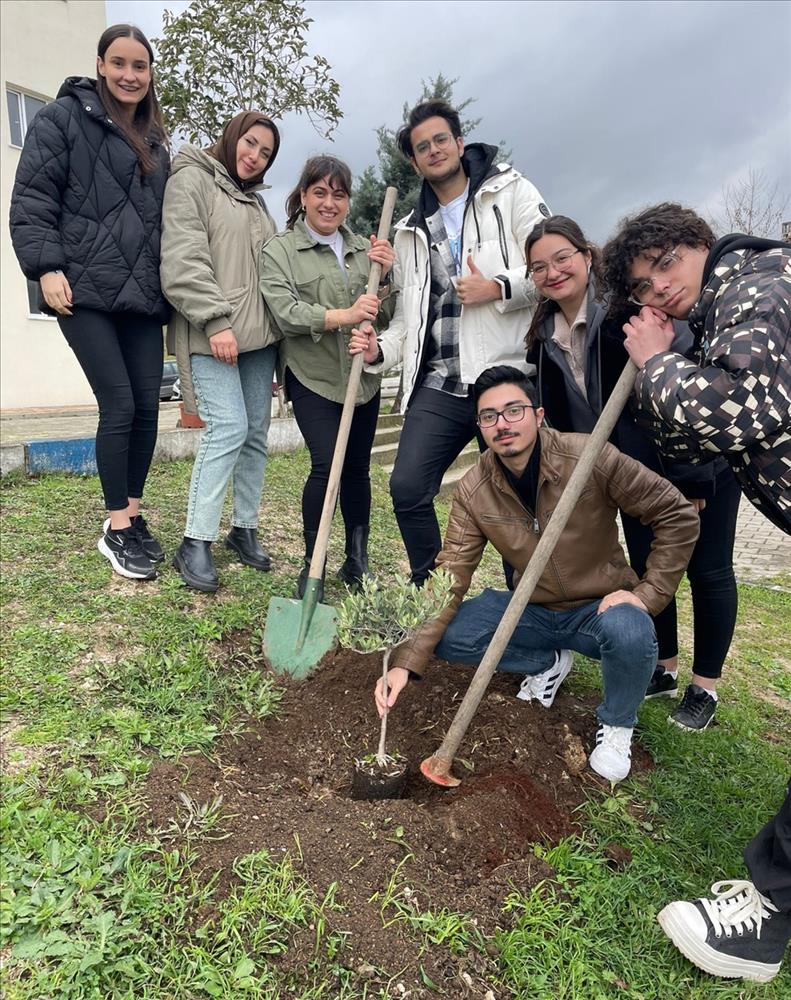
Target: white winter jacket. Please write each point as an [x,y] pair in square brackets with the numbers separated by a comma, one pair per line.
[498,219]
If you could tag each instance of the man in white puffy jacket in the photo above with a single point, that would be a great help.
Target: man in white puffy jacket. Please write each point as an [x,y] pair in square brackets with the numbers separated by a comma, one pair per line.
[464,304]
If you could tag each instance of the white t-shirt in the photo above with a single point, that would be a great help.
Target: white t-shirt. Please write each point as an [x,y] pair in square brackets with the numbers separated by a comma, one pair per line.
[453,219]
[335,242]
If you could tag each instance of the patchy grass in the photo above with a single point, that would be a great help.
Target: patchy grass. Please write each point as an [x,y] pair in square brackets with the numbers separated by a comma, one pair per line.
[103,676]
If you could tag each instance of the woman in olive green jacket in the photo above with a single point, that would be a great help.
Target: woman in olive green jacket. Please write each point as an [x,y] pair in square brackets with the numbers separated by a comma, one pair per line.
[214,225]
[314,278]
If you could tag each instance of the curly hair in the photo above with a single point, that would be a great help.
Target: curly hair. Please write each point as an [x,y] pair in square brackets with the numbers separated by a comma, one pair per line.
[560,225]
[660,227]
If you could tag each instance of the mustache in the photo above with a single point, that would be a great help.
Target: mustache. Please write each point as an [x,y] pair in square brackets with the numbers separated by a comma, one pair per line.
[503,434]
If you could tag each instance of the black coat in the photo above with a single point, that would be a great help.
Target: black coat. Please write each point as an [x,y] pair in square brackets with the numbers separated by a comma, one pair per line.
[81,205]
[567,410]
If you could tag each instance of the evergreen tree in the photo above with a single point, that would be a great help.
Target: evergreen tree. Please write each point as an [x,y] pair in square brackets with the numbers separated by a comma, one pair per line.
[394,169]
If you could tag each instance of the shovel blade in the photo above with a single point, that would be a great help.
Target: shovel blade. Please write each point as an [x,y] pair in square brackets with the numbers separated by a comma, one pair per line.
[282,632]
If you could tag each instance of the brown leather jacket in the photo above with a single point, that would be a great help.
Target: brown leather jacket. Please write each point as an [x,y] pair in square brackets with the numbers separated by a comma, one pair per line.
[588,561]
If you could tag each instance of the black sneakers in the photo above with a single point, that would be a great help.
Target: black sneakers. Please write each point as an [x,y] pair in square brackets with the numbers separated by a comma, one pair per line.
[696,709]
[149,544]
[661,684]
[738,934]
[126,555]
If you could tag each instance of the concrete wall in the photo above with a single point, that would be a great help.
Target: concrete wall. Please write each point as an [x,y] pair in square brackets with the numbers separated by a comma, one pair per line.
[41,43]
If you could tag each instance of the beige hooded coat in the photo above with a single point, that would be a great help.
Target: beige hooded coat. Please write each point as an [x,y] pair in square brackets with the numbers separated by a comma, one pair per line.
[212,235]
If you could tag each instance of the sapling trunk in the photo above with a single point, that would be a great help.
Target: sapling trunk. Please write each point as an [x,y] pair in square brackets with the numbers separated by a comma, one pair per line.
[381,756]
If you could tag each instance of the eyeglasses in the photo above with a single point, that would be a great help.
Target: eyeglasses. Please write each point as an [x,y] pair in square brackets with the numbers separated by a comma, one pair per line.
[512,414]
[440,140]
[561,262]
[644,290]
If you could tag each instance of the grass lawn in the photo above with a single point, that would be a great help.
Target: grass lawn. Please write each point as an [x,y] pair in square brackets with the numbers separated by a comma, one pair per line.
[103,676]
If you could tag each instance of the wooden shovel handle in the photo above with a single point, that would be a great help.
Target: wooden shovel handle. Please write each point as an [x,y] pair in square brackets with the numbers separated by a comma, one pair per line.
[327,511]
[443,758]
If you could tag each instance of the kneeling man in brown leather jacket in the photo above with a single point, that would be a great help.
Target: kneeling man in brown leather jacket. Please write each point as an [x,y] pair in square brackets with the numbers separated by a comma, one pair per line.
[588,598]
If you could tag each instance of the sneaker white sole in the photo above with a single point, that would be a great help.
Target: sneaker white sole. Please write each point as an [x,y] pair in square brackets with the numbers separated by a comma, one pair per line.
[107,552]
[689,729]
[662,694]
[708,958]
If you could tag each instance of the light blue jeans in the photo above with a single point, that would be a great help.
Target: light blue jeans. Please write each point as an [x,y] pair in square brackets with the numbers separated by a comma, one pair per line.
[235,403]
[623,638]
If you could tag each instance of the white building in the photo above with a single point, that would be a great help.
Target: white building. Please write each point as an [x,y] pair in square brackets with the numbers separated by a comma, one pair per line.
[41,43]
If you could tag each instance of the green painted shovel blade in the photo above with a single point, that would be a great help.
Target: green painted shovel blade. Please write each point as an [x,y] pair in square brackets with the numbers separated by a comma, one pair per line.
[282,634]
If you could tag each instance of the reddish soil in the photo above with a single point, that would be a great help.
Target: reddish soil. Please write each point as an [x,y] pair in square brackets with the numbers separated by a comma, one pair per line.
[286,787]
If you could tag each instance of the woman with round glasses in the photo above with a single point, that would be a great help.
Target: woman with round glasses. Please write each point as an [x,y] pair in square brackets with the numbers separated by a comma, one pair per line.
[579,354]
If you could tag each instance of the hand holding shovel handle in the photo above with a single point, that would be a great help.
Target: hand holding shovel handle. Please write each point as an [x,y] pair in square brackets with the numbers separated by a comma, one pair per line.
[322,539]
[437,768]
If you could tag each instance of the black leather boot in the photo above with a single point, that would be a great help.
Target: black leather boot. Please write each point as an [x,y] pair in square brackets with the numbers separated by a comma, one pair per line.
[356,565]
[193,559]
[310,541]
[244,542]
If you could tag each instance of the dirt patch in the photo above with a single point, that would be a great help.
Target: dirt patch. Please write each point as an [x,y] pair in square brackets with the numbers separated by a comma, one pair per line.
[286,787]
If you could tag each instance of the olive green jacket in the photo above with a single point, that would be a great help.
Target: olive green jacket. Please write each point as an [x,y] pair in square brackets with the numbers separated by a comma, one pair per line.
[212,234]
[301,280]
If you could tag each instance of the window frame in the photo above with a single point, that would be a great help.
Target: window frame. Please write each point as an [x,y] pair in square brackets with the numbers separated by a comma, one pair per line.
[20,93]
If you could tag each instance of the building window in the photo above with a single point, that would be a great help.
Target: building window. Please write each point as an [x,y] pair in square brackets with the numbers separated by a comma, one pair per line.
[22,109]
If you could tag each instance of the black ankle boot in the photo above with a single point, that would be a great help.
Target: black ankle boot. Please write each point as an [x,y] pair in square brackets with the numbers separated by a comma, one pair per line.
[244,542]
[304,573]
[193,559]
[356,565]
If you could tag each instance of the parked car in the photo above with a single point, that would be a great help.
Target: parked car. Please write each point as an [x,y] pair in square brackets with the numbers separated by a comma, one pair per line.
[170,386]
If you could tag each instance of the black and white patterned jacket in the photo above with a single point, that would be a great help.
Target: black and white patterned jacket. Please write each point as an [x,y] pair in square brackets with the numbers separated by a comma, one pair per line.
[737,399]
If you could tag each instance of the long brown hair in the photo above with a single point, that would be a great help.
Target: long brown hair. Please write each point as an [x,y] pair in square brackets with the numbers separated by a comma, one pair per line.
[147,122]
[316,169]
[560,225]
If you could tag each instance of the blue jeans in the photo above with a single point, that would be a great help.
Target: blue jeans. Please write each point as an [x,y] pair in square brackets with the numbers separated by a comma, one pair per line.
[623,638]
[235,403]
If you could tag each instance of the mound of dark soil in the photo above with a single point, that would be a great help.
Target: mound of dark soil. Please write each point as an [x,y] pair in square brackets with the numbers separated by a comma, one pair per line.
[286,787]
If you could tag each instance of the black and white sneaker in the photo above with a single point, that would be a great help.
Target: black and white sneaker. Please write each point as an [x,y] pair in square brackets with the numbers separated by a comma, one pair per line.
[544,686]
[150,545]
[695,710]
[126,555]
[739,934]
[662,684]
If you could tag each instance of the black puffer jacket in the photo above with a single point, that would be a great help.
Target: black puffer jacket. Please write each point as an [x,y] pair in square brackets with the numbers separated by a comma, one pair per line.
[81,205]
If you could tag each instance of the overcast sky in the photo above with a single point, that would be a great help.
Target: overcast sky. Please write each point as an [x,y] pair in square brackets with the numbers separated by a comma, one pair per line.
[607,106]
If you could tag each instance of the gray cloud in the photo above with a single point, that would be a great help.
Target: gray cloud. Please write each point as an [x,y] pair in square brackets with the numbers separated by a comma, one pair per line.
[607,106]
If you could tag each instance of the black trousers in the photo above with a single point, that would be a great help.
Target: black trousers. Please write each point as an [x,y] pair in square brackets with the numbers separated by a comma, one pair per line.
[768,857]
[121,355]
[436,428]
[711,580]
[319,419]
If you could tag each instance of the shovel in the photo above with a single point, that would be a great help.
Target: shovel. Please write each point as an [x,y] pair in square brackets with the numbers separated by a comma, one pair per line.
[437,768]
[299,633]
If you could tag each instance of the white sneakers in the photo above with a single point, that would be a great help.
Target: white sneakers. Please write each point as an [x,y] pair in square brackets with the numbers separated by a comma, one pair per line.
[544,686]
[612,755]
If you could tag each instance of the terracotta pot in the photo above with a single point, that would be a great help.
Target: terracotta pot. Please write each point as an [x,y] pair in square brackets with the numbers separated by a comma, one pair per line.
[188,419]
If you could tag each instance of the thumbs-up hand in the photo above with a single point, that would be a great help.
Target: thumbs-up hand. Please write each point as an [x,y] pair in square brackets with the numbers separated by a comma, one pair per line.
[475,289]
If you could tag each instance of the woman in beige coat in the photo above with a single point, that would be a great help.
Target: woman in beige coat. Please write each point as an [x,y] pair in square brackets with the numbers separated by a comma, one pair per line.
[214,225]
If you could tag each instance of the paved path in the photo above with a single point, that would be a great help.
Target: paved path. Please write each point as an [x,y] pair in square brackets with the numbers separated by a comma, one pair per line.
[761,550]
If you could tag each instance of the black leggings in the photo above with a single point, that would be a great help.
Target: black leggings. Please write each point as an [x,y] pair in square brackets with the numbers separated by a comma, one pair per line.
[121,355]
[319,419]
[711,580]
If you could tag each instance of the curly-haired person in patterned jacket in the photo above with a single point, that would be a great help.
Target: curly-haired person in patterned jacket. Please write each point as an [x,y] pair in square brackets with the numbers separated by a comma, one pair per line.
[735,293]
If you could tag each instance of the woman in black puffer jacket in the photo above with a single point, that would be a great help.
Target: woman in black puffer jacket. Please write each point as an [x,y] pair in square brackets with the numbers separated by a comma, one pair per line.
[85,222]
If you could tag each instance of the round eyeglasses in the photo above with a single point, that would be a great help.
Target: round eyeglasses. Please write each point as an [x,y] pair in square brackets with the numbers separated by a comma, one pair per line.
[644,291]
[561,262]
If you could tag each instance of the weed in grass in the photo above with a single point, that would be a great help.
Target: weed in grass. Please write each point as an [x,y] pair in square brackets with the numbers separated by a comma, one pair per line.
[197,819]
